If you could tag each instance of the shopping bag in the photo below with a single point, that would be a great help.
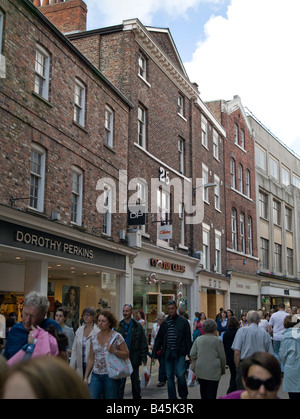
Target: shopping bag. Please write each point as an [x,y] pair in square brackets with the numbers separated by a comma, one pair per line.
[117,368]
[146,378]
[192,379]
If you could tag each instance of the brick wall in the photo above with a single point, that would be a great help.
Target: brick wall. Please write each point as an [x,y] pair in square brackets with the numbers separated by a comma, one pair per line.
[67,16]
[26,118]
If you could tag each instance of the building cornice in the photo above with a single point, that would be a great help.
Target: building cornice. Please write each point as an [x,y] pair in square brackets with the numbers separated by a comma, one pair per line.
[145,40]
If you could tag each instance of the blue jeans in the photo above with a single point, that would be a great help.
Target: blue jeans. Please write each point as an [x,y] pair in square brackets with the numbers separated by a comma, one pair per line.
[176,366]
[102,384]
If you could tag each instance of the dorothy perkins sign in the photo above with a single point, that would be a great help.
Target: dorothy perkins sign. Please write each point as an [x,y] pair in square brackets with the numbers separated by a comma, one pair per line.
[25,238]
[45,242]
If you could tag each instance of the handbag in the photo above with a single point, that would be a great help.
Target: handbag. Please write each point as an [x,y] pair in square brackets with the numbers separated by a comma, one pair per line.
[117,368]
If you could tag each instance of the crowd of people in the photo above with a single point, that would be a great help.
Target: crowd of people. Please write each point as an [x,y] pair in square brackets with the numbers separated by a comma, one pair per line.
[45,358]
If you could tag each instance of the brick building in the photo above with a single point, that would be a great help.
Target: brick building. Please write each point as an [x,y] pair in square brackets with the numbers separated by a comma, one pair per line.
[172,136]
[240,205]
[53,161]
[109,116]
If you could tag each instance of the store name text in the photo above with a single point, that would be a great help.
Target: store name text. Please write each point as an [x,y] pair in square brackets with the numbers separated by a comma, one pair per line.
[167,265]
[58,246]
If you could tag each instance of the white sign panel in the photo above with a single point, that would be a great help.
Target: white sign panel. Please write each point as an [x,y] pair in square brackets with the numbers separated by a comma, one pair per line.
[165,232]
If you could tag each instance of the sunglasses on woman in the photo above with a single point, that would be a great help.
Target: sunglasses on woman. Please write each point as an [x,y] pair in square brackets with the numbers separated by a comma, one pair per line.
[254,383]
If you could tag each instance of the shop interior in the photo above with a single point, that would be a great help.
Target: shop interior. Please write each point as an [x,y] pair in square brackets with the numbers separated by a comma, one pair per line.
[69,284]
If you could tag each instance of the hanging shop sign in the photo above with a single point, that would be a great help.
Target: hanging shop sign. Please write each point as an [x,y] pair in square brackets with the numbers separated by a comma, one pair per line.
[165,232]
[167,265]
[136,215]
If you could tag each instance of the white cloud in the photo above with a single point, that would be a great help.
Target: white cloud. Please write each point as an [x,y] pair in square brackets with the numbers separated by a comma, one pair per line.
[113,12]
[254,53]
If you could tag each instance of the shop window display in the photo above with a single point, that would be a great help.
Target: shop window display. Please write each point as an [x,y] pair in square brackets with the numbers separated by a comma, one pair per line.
[100,291]
[153,298]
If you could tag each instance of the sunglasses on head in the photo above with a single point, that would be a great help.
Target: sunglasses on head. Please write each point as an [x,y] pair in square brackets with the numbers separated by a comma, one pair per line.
[254,383]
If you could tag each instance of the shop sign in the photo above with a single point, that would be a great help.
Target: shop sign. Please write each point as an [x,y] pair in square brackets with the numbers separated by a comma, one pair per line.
[25,238]
[167,265]
[165,232]
[136,215]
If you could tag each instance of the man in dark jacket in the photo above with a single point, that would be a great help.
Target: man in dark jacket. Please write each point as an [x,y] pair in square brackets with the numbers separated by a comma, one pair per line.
[174,340]
[136,341]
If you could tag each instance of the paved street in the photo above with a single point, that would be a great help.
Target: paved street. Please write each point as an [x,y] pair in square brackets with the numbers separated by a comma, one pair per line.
[153,392]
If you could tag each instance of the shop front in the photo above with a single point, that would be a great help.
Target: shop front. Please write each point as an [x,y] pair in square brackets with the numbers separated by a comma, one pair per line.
[213,294]
[160,276]
[244,293]
[273,293]
[73,268]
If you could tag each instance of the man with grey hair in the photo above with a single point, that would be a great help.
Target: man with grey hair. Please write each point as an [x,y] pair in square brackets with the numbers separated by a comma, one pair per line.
[249,340]
[34,314]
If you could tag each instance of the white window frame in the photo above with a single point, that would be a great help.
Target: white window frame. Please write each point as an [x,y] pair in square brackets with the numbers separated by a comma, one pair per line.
[181,224]
[236,134]
[142,115]
[250,235]
[216,148]
[242,232]
[163,208]
[274,168]
[142,67]
[109,126]
[285,176]
[296,181]
[276,212]
[142,199]
[260,158]
[217,193]
[264,251]
[206,247]
[181,155]
[290,261]
[37,178]
[248,183]
[107,213]
[242,142]
[218,251]
[79,102]
[204,130]
[180,103]
[77,196]
[205,172]
[263,205]
[277,257]
[241,178]
[232,173]
[288,218]
[42,72]
[234,228]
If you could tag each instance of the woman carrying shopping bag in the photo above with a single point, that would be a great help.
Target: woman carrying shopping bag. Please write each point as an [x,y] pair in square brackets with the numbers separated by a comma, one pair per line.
[107,340]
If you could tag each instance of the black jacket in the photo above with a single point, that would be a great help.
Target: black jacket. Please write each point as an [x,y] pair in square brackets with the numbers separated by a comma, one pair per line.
[138,347]
[183,337]
[228,339]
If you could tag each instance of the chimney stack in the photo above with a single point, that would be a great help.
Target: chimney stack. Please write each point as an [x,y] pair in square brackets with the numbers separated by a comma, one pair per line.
[67,15]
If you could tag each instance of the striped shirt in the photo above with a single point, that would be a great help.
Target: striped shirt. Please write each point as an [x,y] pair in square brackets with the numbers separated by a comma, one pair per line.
[171,337]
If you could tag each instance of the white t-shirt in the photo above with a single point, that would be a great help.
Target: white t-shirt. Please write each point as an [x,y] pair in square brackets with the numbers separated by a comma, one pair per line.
[276,321]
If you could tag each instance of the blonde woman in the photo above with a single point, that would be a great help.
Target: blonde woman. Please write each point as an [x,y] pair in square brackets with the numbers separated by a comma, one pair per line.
[83,336]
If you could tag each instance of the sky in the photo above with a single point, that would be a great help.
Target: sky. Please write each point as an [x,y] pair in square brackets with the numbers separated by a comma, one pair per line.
[248,48]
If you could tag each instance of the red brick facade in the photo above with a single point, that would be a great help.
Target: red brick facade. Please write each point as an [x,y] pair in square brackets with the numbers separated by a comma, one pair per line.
[68,16]
[29,119]
[239,150]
